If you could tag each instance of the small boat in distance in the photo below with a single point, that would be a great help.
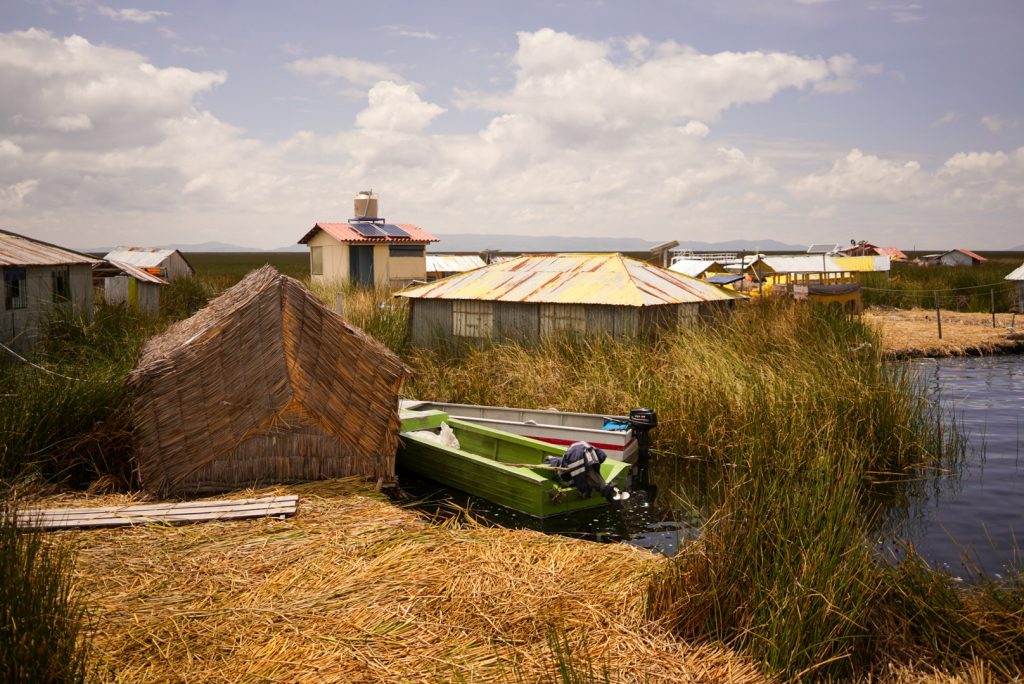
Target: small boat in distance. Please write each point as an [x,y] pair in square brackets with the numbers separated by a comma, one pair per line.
[505,468]
[616,435]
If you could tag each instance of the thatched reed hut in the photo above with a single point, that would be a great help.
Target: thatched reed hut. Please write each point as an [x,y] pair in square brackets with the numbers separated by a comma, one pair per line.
[264,385]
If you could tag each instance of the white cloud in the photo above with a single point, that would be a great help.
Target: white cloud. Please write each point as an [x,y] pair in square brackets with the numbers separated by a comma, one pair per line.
[406,32]
[394,107]
[355,71]
[970,162]
[135,16]
[9,150]
[945,119]
[13,196]
[900,12]
[579,86]
[997,123]
[846,74]
[863,176]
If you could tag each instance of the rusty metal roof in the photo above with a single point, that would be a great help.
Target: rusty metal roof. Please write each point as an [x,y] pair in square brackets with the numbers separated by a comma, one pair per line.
[136,272]
[143,257]
[20,250]
[453,263]
[610,279]
[694,267]
[343,232]
[800,263]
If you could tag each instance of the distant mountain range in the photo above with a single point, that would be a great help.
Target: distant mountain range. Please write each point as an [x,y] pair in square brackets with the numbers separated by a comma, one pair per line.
[474,242]
[1018,248]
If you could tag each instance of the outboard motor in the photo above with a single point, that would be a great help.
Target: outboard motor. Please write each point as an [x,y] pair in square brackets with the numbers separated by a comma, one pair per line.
[582,463]
[642,421]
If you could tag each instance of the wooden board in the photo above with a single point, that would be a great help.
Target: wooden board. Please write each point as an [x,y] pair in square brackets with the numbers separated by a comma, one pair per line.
[163,513]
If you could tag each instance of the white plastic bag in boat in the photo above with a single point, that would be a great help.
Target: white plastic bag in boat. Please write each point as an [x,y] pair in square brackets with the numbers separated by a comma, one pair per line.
[446,437]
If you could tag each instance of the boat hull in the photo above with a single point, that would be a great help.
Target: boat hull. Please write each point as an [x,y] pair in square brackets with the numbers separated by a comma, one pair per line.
[489,464]
[555,427]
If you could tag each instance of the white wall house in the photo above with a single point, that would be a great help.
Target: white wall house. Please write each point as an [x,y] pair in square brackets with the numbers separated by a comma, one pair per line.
[167,264]
[367,250]
[37,279]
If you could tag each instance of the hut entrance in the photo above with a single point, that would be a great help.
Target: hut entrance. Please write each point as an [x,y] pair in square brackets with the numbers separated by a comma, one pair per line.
[360,264]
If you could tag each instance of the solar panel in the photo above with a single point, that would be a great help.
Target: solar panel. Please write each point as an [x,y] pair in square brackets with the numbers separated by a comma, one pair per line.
[392,230]
[366,229]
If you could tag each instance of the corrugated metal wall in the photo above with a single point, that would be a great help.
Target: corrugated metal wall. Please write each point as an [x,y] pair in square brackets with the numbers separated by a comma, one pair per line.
[618,321]
[429,320]
[562,318]
[472,319]
[515,321]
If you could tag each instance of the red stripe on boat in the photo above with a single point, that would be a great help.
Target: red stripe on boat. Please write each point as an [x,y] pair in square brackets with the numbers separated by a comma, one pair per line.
[567,442]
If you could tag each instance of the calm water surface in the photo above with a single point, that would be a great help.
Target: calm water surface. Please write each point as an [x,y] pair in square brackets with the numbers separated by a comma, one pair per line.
[977,510]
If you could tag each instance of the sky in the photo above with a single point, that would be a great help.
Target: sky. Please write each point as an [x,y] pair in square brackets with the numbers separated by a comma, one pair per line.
[900,123]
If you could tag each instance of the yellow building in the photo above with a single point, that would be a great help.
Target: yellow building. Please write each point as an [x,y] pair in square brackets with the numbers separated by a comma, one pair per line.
[813,277]
[367,249]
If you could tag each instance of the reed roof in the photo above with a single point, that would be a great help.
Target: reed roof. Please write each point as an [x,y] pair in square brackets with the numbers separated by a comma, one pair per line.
[263,385]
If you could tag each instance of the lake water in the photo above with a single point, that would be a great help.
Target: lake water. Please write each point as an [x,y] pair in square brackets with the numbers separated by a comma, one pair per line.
[977,510]
[980,509]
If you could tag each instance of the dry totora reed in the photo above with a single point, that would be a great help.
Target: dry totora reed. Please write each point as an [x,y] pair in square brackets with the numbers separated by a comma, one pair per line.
[264,385]
[354,588]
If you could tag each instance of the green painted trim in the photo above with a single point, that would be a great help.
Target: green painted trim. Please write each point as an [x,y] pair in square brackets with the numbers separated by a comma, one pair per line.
[421,420]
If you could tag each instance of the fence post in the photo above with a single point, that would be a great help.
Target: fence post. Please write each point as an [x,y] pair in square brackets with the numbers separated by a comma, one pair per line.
[938,314]
[993,294]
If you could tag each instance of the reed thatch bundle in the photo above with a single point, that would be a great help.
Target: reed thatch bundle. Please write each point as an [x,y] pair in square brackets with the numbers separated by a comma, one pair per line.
[356,589]
[264,385]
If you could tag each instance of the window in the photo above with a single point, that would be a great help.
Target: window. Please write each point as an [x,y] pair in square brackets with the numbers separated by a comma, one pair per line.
[316,260]
[15,289]
[61,285]
[405,250]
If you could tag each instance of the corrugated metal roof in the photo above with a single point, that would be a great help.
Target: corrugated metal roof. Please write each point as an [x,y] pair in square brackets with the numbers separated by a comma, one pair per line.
[967,252]
[453,263]
[20,250]
[803,263]
[1017,273]
[694,267]
[143,257]
[136,272]
[573,279]
[866,248]
[724,279]
[343,232]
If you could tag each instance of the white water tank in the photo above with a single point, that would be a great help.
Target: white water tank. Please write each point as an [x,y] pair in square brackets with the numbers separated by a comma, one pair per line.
[365,205]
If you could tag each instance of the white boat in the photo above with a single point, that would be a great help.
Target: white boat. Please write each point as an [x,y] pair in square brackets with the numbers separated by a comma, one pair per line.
[613,434]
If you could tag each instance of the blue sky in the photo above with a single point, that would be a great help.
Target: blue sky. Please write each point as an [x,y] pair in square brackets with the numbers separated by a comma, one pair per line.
[802,121]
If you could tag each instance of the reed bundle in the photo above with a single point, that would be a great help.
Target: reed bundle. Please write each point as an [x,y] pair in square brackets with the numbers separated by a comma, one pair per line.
[264,385]
[354,588]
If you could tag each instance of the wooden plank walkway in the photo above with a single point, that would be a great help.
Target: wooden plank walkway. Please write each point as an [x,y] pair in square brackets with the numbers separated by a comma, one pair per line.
[164,513]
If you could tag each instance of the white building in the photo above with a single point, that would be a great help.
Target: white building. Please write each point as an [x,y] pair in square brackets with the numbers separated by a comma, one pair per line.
[168,264]
[38,279]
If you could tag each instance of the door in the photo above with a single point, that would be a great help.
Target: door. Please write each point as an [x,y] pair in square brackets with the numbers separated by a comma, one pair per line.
[360,264]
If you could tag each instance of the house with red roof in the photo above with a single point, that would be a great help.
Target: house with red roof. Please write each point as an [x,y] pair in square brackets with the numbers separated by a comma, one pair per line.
[863,248]
[954,257]
[367,249]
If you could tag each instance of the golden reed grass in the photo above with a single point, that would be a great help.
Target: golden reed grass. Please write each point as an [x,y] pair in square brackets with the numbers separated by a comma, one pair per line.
[354,588]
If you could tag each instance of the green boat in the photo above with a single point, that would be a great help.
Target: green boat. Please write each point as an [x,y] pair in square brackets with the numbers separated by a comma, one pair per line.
[498,466]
